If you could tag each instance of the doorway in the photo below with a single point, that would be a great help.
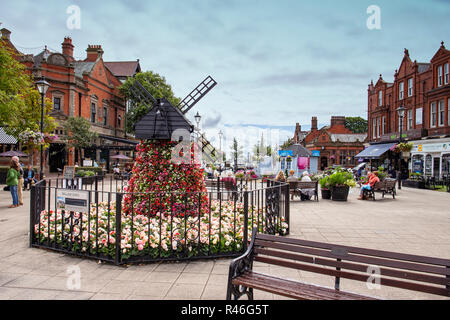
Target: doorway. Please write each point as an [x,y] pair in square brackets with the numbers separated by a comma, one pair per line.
[436,167]
[323,163]
[57,157]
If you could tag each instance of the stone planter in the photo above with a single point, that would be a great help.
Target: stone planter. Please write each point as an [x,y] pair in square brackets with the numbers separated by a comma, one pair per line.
[326,194]
[413,184]
[340,193]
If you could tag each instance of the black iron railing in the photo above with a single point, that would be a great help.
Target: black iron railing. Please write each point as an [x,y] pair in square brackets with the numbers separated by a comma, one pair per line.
[121,227]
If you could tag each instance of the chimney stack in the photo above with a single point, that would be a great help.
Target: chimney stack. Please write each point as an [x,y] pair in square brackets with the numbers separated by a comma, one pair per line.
[6,34]
[337,121]
[314,123]
[94,52]
[67,48]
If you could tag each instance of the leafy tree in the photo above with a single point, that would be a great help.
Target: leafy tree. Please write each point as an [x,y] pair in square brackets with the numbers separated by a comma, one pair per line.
[356,124]
[236,152]
[158,88]
[20,102]
[78,134]
[289,142]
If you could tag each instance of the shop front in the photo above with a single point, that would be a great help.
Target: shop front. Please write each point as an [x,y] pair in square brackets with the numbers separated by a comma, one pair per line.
[431,158]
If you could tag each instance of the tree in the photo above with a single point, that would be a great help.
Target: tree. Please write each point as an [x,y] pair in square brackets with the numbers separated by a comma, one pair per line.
[158,88]
[78,134]
[20,103]
[356,124]
[289,142]
[236,151]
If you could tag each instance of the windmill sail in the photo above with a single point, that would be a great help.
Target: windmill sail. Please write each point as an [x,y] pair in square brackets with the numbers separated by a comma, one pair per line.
[140,95]
[210,154]
[197,94]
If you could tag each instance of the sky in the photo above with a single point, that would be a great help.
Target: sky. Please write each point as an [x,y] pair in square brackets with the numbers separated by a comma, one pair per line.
[276,62]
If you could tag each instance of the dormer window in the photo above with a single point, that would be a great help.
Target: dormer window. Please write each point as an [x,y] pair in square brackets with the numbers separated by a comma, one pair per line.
[380,98]
[439,76]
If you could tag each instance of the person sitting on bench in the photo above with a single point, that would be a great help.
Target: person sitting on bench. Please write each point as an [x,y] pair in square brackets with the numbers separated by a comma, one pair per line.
[28,176]
[373,179]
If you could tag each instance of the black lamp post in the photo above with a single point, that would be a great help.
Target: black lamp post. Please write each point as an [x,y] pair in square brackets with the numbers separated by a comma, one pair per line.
[401,114]
[42,87]
[198,118]
[220,148]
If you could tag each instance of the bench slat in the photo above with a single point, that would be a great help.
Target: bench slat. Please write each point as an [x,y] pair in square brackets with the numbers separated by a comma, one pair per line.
[293,289]
[356,258]
[355,267]
[363,251]
[354,276]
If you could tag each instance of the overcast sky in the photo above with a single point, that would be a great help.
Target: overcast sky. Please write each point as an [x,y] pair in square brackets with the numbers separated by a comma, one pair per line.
[276,62]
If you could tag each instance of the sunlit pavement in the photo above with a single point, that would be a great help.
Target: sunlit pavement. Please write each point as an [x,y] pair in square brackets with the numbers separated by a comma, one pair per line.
[416,222]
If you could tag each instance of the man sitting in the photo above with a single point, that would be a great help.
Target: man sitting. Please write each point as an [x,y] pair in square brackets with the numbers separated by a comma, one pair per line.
[28,176]
[373,179]
[291,177]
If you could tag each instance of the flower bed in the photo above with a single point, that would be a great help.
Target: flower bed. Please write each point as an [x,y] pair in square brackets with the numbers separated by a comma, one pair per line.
[216,231]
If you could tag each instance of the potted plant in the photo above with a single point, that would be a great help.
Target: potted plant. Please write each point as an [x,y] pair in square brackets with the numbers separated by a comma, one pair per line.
[340,183]
[324,187]
[416,180]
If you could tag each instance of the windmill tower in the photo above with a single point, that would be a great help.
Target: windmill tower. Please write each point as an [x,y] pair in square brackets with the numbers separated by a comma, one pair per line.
[155,174]
[163,119]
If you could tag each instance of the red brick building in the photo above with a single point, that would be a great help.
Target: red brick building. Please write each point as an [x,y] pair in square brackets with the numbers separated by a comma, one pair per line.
[336,144]
[86,88]
[423,89]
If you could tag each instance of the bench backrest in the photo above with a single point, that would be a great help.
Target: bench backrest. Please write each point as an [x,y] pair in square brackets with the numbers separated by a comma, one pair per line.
[406,271]
[293,185]
[389,183]
[307,184]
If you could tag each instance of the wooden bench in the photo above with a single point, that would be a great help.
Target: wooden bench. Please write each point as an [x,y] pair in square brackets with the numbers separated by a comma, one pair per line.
[295,188]
[387,186]
[406,271]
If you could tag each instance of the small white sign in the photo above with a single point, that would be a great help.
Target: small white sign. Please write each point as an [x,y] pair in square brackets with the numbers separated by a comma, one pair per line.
[72,200]
[87,163]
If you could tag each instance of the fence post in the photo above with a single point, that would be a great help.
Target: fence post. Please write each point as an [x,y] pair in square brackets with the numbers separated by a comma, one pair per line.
[287,208]
[118,227]
[96,188]
[245,220]
[32,212]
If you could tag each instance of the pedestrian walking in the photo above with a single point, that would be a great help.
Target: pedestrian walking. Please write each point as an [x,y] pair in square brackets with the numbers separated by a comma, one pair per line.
[21,180]
[12,180]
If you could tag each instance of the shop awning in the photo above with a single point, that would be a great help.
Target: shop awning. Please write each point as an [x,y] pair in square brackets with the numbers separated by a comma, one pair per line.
[375,151]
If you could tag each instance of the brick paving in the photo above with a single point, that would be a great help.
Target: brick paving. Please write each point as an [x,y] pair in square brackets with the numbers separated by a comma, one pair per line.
[417,222]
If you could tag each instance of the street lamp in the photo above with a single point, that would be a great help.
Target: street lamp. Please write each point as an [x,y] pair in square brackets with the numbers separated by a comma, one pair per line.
[198,117]
[42,87]
[401,114]
[220,148]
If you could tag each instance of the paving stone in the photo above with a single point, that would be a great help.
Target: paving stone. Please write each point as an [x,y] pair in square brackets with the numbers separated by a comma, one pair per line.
[156,289]
[163,277]
[182,291]
[119,286]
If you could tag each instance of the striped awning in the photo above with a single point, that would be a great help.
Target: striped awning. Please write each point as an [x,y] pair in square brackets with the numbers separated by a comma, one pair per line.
[6,138]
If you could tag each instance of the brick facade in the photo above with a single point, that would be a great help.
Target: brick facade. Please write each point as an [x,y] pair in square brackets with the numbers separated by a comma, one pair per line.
[337,144]
[84,88]
[423,89]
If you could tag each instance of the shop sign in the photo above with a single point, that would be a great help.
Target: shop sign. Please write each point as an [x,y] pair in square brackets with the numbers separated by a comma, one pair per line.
[285,153]
[432,147]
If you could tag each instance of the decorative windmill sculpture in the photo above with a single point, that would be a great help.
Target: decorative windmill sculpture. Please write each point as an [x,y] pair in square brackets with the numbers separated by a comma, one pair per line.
[163,118]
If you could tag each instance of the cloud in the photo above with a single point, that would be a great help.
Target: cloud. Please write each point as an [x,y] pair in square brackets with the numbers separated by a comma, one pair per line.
[212,120]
